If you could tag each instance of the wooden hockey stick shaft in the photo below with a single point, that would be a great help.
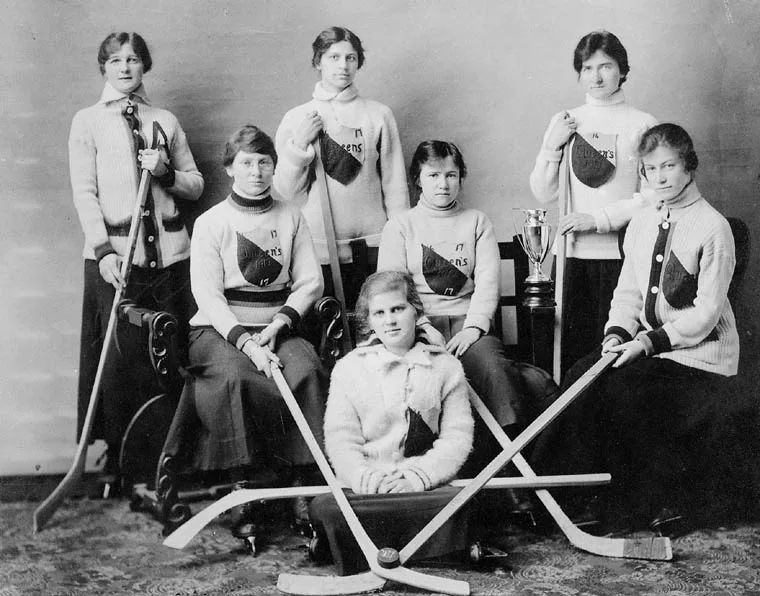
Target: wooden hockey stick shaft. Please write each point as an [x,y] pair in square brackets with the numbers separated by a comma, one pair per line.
[539,424]
[332,244]
[47,508]
[656,549]
[559,270]
[187,531]
[368,548]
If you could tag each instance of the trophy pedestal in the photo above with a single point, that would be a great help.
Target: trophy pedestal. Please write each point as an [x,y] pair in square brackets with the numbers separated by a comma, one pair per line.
[539,293]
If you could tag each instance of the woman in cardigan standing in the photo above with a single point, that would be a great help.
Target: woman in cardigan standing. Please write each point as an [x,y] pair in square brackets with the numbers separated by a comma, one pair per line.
[109,144]
[601,137]
[361,153]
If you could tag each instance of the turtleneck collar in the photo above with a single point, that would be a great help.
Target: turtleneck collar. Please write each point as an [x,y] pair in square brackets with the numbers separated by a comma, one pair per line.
[688,196]
[435,211]
[616,98]
[259,204]
[322,94]
[110,94]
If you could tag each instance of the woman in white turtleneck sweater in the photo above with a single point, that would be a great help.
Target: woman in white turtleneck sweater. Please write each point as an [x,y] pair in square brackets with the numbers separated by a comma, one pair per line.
[602,136]
[361,152]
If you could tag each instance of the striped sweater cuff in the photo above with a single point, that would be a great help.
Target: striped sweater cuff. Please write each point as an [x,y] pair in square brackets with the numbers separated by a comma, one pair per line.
[238,336]
[289,315]
[103,250]
[660,340]
[167,180]
[618,332]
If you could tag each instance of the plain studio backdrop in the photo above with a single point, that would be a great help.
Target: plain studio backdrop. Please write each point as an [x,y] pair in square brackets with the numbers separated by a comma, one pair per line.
[487,75]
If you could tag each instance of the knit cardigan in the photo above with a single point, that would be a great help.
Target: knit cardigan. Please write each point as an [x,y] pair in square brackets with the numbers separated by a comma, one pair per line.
[252,260]
[453,257]
[613,203]
[367,418]
[673,289]
[360,208]
[105,178]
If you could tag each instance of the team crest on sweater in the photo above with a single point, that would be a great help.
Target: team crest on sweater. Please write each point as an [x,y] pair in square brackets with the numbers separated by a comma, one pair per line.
[442,276]
[594,158]
[258,265]
[678,285]
[343,153]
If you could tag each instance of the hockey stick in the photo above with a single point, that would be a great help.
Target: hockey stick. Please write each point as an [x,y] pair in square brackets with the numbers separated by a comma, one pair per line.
[187,531]
[368,548]
[559,274]
[332,244]
[48,507]
[541,422]
[654,549]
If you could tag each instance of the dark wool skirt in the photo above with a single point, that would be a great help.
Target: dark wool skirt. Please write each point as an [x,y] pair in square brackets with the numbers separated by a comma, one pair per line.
[128,380]
[390,521]
[653,424]
[231,415]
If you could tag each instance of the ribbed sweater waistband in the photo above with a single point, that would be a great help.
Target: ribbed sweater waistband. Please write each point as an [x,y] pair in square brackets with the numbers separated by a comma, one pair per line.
[243,297]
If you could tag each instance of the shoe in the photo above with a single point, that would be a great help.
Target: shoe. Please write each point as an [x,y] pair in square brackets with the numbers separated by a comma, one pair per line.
[669,522]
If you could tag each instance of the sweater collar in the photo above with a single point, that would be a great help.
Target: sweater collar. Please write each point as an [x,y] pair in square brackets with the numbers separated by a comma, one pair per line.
[420,354]
[616,98]
[322,94]
[110,94]
[448,211]
[257,205]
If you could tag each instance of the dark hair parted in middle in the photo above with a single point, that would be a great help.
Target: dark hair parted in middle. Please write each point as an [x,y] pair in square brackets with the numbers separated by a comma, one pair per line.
[607,43]
[431,150]
[113,43]
[333,35]
[672,136]
[251,139]
[379,283]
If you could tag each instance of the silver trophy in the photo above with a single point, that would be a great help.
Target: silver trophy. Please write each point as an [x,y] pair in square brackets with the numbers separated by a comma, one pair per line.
[535,239]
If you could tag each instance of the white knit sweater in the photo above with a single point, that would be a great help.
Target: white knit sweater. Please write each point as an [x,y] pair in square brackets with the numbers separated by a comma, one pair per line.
[673,288]
[361,208]
[612,204]
[105,178]
[367,418]
[464,238]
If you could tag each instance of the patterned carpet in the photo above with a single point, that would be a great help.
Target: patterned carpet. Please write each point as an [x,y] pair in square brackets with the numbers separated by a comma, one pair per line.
[95,547]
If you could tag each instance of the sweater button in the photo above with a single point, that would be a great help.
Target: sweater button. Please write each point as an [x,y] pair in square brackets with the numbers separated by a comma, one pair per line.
[152,238]
[654,290]
[665,225]
[153,264]
[659,258]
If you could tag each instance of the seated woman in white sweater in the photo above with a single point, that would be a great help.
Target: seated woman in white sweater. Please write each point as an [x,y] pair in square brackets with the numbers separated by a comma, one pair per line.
[254,275]
[398,423]
[646,420]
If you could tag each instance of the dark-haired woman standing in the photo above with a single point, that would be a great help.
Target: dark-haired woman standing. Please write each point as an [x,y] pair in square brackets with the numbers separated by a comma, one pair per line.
[601,137]
[361,152]
[110,144]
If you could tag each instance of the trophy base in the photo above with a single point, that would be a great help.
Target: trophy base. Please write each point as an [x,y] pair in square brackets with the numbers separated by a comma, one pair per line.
[539,293]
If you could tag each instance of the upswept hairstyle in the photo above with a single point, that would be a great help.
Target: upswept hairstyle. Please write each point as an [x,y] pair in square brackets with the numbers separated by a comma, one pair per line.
[430,150]
[673,136]
[251,139]
[379,283]
[607,43]
[333,35]
[113,43]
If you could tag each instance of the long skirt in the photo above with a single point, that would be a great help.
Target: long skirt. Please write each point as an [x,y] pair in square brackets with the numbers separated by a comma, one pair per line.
[230,415]
[390,521]
[128,380]
[651,424]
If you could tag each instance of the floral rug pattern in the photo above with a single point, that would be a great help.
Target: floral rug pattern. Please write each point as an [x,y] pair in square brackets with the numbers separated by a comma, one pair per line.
[95,547]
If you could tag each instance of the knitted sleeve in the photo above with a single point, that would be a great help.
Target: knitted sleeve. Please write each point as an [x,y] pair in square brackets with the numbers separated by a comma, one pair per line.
[305,272]
[450,450]
[485,296]
[344,439]
[84,185]
[207,275]
[291,178]
[188,181]
[623,321]
[391,255]
[544,179]
[690,326]
[391,167]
